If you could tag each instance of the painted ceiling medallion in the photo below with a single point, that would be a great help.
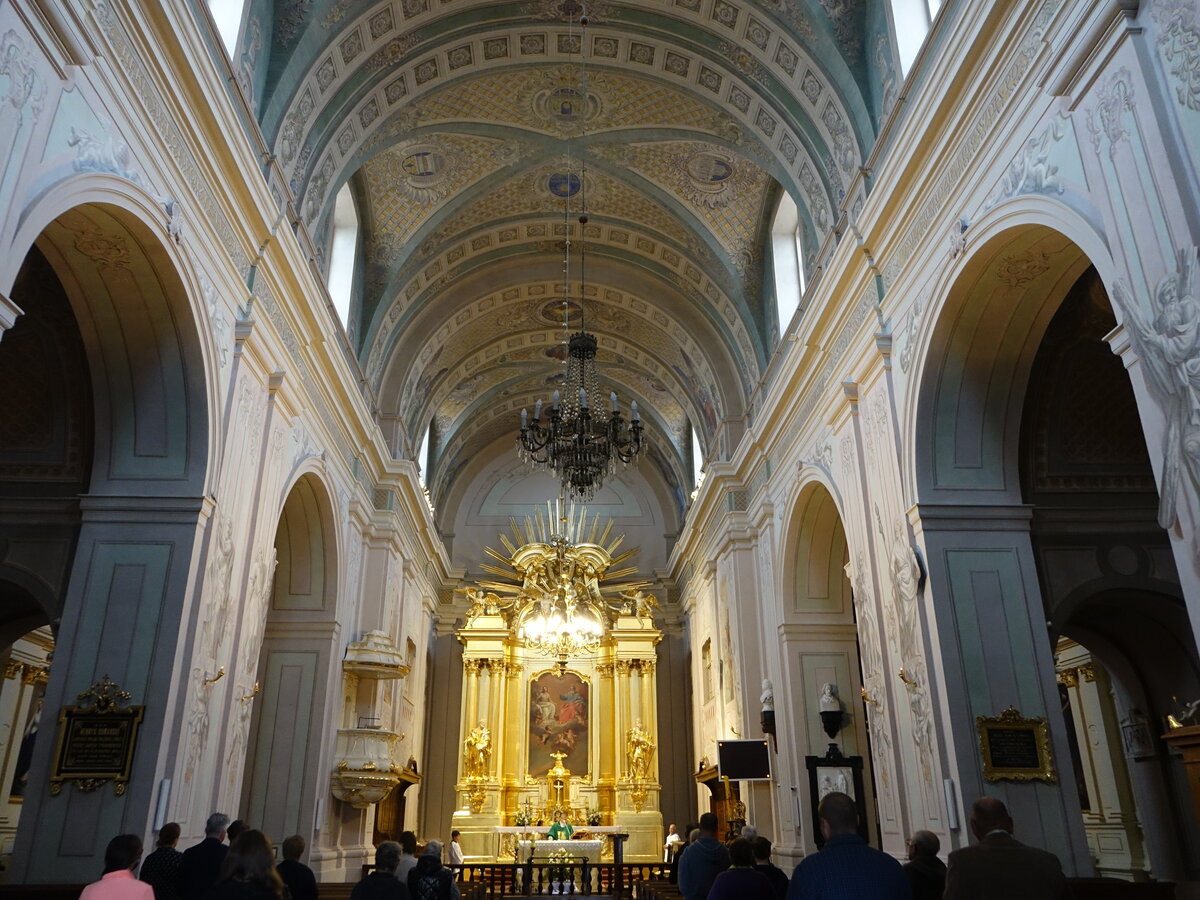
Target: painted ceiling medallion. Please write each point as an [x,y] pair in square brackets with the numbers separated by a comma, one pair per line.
[710,178]
[424,171]
[557,103]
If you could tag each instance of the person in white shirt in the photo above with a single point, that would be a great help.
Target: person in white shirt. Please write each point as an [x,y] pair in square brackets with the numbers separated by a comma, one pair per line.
[669,847]
[456,854]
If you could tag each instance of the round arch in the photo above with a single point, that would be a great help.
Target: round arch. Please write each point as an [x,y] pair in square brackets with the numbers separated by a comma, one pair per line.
[977,346]
[132,290]
[291,641]
[137,506]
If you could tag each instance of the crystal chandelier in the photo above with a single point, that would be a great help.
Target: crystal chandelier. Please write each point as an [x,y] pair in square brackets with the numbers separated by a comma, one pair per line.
[561,633]
[578,447]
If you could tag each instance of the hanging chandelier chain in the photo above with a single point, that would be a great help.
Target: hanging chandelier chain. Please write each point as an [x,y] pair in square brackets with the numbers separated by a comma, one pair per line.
[578,447]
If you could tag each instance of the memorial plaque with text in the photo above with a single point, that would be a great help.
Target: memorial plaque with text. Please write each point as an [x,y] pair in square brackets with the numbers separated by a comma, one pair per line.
[96,740]
[1015,748]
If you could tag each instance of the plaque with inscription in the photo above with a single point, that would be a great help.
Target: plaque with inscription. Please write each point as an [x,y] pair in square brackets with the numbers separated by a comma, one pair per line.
[96,739]
[1015,748]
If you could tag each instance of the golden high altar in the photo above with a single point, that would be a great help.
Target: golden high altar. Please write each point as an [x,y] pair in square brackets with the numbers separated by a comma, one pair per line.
[559,712]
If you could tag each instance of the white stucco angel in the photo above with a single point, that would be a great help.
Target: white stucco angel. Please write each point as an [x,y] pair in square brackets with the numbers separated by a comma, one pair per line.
[1170,346]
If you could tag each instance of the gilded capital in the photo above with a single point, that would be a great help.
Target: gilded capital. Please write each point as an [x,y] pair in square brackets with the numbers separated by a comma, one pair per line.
[1069,678]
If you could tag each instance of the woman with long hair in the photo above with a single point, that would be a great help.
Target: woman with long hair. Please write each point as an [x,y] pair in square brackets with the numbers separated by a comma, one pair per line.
[121,857]
[248,872]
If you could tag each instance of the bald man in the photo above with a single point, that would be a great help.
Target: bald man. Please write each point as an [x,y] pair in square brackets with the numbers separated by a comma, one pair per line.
[847,868]
[1000,866]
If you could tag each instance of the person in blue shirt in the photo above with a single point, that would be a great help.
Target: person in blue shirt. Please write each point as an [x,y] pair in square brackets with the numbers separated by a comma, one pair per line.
[847,868]
[702,861]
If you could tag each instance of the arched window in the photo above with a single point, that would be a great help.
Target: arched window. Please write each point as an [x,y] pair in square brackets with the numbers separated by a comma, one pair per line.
[423,455]
[343,247]
[912,19]
[227,16]
[697,461]
[789,260]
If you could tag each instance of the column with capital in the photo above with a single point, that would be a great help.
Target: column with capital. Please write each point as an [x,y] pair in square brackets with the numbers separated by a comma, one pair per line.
[648,711]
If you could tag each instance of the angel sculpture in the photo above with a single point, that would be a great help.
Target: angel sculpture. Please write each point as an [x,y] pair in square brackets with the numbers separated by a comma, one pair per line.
[1169,344]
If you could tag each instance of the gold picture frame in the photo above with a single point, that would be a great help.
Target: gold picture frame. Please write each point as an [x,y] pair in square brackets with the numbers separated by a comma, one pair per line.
[1015,748]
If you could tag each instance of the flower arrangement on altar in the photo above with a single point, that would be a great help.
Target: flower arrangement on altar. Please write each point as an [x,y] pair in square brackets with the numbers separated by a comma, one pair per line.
[593,816]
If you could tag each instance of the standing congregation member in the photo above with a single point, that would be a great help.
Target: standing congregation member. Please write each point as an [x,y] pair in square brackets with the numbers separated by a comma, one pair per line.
[740,880]
[1000,866]
[248,872]
[926,873]
[703,860]
[847,867]
[382,884]
[297,877]
[160,869]
[121,857]
[762,862]
[456,853]
[429,879]
[408,856]
[201,863]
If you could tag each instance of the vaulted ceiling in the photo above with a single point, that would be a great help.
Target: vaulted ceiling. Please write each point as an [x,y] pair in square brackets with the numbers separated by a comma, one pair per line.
[448,120]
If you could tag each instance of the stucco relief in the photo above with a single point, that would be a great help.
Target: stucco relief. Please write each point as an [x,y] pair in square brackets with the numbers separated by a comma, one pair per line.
[1113,100]
[254,619]
[887,74]
[912,331]
[875,695]
[251,45]
[106,251]
[1168,341]
[103,153]
[214,609]
[1179,43]
[25,87]
[905,572]
[217,319]
[1032,172]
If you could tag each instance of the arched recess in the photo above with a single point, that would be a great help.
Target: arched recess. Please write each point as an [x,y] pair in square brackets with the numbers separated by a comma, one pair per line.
[819,636]
[292,725]
[1105,569]
[117,499]
[987,584]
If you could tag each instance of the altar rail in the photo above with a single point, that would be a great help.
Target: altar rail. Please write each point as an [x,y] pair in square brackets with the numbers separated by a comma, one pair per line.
[576,878]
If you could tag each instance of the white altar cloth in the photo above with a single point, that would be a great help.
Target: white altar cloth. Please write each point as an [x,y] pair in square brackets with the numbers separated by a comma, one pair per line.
[588,849]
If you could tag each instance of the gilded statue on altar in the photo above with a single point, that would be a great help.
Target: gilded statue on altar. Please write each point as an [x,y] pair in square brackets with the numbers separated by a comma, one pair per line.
[478,752]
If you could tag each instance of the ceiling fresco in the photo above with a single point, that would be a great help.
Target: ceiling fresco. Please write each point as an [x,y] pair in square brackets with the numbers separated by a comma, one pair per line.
[470,133]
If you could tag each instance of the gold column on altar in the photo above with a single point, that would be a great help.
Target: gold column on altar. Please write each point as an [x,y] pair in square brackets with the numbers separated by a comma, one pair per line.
[540,652]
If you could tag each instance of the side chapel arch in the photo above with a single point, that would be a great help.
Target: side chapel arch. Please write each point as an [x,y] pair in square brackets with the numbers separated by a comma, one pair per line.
[966,410]
[291,640]
[829,636]
[138,497]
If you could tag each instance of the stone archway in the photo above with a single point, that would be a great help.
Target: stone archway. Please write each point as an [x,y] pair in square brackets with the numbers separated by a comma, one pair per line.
[1107,576]
[119,501]
[991,647]
[295,638]
[830,635]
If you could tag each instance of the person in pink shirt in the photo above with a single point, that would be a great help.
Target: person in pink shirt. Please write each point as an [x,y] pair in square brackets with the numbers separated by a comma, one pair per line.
[121,857]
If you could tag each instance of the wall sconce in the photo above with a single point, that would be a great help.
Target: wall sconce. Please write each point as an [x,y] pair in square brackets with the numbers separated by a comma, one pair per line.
[867,698]
[220,674]
[904,677]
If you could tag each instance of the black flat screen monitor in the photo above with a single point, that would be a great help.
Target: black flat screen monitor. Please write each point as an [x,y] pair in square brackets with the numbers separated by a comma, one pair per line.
[744,760]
